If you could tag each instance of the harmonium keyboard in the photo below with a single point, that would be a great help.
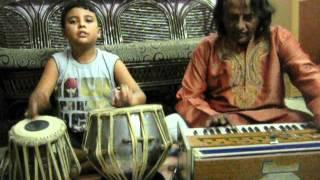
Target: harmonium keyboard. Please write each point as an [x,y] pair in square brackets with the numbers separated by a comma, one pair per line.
[262,151]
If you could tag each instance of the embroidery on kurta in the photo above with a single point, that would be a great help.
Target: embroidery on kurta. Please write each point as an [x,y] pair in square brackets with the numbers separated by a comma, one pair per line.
[246,73]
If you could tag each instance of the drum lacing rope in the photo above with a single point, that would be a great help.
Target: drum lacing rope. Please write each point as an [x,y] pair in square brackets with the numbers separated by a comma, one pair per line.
[135,172]
[75,163]
[114,163]
[62,154]
[167,142]
[109,169]
[4,164]
[98,148]
[37,161]
[14,147]
[54,161]
[85,145]
[145,136]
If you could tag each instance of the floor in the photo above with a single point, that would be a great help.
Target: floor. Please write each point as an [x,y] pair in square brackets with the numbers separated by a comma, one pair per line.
[166,169]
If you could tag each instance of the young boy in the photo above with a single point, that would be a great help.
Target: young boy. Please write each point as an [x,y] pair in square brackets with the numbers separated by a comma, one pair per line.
[83,77]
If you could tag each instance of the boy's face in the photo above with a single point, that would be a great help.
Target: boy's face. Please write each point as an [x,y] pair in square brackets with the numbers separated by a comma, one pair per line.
[240,21]
[81,27]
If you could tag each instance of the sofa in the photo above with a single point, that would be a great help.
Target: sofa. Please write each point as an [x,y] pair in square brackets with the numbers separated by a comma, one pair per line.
[154,38]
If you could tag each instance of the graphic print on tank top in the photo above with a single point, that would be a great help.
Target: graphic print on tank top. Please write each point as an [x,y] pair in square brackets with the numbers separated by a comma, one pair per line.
[78,96]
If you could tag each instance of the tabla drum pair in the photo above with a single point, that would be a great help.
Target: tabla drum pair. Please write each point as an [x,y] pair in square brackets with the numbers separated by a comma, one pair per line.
[127,143]
[121,143]
[41,149]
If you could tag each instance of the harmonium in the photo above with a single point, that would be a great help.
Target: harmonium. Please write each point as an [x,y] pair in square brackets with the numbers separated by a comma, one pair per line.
[249,152]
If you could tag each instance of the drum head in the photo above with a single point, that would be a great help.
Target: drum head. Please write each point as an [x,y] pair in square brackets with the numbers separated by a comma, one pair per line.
[123,110]
[37,131]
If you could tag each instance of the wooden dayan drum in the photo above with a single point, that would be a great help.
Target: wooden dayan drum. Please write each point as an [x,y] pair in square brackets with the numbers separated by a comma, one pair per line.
[127,143]
[41,149]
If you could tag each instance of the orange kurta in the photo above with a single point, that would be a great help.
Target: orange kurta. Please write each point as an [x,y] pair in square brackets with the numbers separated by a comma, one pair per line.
[247,86]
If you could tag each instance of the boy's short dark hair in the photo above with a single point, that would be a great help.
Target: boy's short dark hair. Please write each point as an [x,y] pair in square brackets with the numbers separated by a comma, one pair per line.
[262,8]
[73,4]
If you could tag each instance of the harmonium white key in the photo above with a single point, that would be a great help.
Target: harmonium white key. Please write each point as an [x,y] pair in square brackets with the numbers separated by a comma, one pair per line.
[264,149]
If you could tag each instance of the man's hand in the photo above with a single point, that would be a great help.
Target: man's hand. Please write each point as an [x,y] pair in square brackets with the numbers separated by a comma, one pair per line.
[217,120]
[315,124]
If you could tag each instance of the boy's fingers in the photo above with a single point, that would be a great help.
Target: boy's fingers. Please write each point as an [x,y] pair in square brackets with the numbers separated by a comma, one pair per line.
[32,111]
[122,96]
[126,95]
[26,114]
[124,91]
[117,97]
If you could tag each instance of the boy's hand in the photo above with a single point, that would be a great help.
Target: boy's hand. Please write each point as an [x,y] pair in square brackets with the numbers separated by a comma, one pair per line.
[122,96]
[37,104]
[32,110]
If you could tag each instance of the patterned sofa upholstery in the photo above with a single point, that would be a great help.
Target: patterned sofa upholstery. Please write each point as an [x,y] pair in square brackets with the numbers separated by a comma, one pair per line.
[153,37]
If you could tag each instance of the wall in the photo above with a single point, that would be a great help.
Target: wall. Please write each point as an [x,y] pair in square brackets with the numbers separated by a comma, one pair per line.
[286,16]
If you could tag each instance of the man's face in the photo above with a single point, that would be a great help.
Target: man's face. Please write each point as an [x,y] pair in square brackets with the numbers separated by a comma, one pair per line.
[239,21]
[81,27]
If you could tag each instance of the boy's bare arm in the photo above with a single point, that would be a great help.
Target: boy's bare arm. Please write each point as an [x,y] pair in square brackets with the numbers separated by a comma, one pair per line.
[40,97]
[129,92]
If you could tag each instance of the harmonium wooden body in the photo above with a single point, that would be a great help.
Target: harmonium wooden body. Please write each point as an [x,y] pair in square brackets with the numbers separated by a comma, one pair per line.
[249,152]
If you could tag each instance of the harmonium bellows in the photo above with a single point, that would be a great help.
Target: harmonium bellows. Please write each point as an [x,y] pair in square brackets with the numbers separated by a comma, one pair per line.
[262,151]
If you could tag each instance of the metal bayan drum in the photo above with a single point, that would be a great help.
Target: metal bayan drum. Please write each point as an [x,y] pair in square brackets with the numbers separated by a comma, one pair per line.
[41,149]
[127,143]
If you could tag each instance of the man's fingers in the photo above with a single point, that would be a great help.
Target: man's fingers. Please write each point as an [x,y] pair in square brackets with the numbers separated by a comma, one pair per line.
[314,124]
[215,121]
[223,120]
[219,120]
